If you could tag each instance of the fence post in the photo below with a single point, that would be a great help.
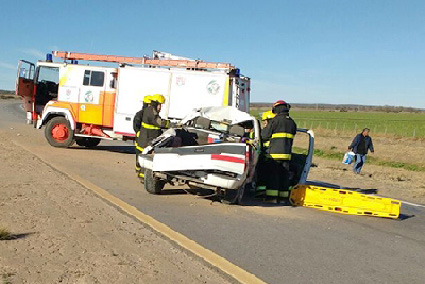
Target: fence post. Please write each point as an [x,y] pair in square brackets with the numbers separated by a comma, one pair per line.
[414,132]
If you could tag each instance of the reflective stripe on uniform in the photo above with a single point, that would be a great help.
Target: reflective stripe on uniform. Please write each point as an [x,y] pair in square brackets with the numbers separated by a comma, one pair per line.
[137,146]
[283,135]
[138,134]
[276,193]
[266,144]
[272,192]
[281,156]
[149,126]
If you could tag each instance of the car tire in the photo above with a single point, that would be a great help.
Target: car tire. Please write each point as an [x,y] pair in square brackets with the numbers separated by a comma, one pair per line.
[58,132]
[152,185]
[232,196]
[87,142]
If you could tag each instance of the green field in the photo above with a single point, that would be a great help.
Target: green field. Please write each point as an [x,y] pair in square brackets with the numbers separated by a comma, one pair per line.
[397,124]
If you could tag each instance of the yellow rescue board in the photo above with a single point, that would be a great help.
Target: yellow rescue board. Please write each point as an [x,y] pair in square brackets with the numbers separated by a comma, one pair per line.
[344,201]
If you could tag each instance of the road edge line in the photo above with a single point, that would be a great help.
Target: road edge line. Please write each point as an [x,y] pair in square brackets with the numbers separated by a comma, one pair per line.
[207,255]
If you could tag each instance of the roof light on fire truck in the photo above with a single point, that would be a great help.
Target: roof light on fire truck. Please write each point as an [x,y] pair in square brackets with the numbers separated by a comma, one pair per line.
[49,57]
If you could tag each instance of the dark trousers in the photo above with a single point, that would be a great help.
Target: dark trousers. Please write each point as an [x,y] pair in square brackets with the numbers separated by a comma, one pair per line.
[263,174]
[279,179]
[137,160]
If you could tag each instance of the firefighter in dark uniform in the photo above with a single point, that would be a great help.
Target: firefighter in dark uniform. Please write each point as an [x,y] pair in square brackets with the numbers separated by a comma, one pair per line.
[137,126]
[281,132]
[263,176]
[151,124]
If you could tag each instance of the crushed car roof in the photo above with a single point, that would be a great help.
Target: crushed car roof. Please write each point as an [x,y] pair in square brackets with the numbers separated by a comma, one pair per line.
[227,114]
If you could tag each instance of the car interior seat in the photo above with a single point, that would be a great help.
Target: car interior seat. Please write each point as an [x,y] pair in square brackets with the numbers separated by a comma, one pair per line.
[237,130]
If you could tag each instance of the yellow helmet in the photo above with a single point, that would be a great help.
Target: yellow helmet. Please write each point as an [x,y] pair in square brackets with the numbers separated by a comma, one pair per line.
[147,99]
[267,115]
[158,98]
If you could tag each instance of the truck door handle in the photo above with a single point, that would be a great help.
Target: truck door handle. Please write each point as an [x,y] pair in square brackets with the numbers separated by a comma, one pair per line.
[128,118]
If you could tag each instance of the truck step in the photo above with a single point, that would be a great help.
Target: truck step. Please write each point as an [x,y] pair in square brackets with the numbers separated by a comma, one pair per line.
[344,201]
[91,136]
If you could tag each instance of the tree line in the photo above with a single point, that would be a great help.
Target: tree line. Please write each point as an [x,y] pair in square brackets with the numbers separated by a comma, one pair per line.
[342,107]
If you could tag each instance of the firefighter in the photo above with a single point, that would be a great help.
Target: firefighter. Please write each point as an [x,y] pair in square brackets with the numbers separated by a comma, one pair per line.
[266,117]
[152,122]
[263,175]
[137,125]
[281,132]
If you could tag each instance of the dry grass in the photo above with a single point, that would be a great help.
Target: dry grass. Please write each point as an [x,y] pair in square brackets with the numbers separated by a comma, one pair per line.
[4,234]
[389,150]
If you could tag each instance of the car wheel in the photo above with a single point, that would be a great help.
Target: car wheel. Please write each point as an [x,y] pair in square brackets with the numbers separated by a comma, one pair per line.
[59,133]
[152,185]
[233,196]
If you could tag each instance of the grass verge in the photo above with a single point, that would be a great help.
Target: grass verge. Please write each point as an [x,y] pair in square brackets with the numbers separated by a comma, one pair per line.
[337,156]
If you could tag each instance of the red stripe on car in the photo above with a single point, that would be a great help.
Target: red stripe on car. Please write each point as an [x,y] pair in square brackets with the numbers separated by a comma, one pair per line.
[226,158]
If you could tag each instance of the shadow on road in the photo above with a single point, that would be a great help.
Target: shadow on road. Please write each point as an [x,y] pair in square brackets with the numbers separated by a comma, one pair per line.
[17,236]
[403,217]
[116,149]
[249,198]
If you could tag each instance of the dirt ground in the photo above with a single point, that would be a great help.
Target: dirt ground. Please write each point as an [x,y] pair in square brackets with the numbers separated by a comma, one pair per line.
[59,237]
[392,182]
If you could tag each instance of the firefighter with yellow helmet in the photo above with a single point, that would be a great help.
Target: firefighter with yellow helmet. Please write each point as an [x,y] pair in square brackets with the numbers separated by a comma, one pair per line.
[137,127]
[263,170]
[266,117]
[152,123]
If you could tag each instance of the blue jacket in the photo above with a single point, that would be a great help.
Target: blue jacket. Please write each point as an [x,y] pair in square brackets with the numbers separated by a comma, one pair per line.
[355,144]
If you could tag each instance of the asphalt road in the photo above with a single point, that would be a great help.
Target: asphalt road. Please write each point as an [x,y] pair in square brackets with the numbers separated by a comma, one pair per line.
[279,244]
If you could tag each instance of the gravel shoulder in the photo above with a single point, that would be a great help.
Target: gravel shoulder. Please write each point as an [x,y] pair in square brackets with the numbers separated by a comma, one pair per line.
[63,233]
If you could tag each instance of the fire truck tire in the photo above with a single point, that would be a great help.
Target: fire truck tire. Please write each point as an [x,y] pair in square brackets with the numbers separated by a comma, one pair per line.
[87,142]
[153,185]
[58,132]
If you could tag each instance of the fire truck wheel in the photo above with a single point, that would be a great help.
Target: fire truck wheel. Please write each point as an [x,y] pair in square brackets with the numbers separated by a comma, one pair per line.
[59,133]
[87,142]
[152,185]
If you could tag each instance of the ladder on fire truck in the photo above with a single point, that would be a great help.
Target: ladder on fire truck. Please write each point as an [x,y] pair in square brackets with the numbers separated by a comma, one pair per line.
[196,64]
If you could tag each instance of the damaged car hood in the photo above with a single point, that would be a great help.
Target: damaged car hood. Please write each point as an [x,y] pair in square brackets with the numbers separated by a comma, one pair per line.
[228,114]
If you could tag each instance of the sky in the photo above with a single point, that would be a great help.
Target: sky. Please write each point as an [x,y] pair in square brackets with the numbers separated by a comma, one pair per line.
[303,51]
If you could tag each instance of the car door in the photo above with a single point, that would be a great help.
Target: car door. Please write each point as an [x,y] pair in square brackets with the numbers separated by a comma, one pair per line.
[24,86]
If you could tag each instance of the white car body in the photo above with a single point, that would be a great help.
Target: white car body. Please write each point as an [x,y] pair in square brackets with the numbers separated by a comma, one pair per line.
[226,164]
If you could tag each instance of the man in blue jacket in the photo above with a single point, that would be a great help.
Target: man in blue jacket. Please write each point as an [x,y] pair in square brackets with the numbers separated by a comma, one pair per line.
[361,145]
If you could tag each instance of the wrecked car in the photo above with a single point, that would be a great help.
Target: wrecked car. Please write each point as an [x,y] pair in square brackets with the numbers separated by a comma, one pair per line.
[214,148]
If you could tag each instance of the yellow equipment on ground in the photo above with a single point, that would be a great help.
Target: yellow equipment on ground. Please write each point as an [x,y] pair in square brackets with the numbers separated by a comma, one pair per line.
[344,201]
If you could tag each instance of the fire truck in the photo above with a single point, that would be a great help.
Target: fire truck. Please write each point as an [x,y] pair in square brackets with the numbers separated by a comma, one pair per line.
[85,103]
